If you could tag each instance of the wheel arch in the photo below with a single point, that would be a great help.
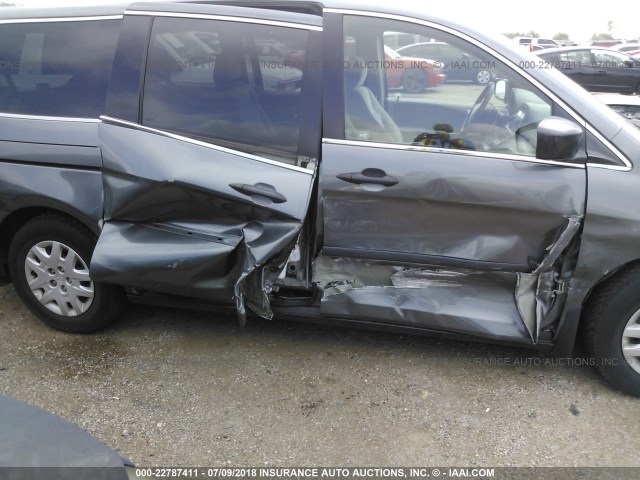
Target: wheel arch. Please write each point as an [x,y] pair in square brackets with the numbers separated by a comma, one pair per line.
[605,279]
[573,324]
[11,223]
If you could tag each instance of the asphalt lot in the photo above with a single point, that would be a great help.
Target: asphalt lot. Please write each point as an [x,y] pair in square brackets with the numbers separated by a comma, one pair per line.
[180,388]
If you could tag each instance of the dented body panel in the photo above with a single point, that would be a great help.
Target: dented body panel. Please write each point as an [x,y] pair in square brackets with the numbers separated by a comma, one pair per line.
[492,213]
[174,222]
[495,244]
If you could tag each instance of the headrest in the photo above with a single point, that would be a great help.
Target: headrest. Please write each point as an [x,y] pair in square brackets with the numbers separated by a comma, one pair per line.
[229,69]
[355,72]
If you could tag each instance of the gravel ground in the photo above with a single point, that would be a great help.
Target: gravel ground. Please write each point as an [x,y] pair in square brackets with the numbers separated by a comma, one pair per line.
[179,388]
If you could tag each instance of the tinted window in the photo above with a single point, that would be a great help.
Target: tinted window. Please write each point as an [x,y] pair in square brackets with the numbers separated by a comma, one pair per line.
[123,99]
[56,69]
[610,59]
[580,57]
[407,101]
[233,84]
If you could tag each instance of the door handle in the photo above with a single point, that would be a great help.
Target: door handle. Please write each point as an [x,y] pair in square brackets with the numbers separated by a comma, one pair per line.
[261,189]
[369,175]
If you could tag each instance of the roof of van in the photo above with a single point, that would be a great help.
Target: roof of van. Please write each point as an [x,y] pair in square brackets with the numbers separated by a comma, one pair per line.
[15,13]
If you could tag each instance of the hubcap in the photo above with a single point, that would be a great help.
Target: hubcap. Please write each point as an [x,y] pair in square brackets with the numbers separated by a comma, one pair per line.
[59,278]
[631,342]
[483,77]
[414,82]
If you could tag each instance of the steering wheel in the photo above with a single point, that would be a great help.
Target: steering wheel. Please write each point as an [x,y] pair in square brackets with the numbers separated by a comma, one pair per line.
[479,106]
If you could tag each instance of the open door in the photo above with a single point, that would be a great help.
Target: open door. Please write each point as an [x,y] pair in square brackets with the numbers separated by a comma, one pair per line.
[206,193]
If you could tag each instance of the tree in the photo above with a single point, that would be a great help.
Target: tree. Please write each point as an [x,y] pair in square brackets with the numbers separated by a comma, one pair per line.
[514,35]
[601,36]
[533,34]
[561,36]
[7,4]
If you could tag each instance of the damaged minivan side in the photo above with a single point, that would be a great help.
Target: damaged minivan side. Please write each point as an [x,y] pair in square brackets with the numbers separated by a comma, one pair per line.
[256,157]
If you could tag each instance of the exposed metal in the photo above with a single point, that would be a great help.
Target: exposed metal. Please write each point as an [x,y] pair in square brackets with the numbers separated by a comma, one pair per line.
[460,301]
[492,245]
[182,227]
[539,291]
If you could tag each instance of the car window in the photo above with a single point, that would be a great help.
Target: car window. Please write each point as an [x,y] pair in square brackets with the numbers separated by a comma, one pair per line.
[424,50]
[394,99]
[450,52]
[609,59]
[401,39]
[579,57]
[56,69]
[233,84]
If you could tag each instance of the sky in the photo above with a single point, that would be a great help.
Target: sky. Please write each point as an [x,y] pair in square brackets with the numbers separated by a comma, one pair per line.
[547,17]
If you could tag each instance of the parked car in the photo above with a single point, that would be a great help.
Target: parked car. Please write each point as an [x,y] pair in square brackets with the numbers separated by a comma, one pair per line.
[412,74]
[626,105]
[605,43]
[396,40]
[497,213]
[533,44]
[458,65]
[626,47]
[596,69]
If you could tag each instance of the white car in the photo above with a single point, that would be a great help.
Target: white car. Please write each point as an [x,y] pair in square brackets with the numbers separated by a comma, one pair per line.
[533,44]
[626,105]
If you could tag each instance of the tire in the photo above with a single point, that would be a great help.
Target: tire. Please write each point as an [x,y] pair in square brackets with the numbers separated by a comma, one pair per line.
[54,252]
[612,323]
[415,81]
[482,77]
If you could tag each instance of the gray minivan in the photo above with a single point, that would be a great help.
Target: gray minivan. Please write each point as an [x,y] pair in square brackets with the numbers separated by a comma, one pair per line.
[155,153]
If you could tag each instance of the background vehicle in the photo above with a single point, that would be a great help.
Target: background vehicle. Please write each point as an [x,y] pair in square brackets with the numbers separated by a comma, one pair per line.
[457,64]
[396,40]
[605,43]
[627,47]
[167,169]
[532,44]
[626,105]
[596,69]
[413,74]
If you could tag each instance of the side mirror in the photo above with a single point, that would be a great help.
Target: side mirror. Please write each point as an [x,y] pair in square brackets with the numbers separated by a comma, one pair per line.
[558,139]
[501,89]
